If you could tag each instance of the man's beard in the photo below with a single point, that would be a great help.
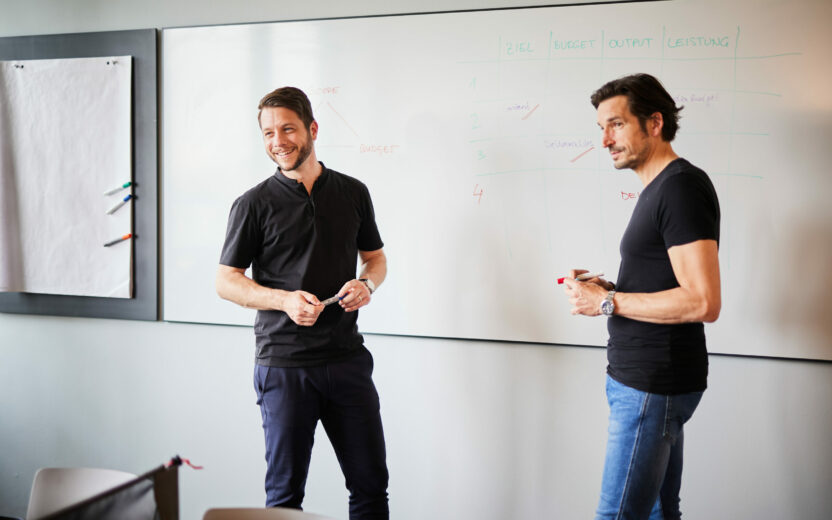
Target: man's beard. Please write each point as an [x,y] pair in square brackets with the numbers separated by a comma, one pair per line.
[303,154]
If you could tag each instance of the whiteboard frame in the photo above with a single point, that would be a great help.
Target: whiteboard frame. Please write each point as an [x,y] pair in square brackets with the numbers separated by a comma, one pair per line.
[141,44]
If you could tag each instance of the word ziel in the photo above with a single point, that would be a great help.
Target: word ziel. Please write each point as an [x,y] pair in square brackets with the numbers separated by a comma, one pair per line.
[523,48]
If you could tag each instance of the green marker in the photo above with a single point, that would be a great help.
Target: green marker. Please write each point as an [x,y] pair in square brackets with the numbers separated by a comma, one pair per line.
[118,189]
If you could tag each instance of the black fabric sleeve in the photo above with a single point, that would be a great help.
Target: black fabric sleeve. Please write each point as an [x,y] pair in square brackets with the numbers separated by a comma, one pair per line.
[242,237]
[368,238]
[687,211]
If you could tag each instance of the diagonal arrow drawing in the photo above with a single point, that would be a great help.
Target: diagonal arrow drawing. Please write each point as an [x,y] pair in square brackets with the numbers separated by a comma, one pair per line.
[530,112]
[582,154]
[342,119]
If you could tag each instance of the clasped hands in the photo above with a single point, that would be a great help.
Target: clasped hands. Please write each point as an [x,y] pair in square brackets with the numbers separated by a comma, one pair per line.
[304,307]
[586,296]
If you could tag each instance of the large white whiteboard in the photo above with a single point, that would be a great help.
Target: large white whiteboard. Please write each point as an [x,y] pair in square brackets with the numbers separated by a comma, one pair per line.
[475,135]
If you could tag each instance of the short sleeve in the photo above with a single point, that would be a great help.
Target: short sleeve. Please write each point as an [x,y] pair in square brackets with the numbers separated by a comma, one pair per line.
[688,210]
[368,238]
[242,237]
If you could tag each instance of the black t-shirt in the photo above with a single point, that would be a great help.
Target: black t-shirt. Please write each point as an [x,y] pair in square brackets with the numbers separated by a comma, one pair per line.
[678,207]
[297,241]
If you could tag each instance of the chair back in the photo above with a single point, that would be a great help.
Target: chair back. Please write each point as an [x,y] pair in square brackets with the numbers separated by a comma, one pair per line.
[56,488]
[254,513]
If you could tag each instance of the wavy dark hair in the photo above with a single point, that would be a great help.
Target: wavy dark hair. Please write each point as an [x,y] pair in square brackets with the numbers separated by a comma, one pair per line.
[645,96]
[288,97]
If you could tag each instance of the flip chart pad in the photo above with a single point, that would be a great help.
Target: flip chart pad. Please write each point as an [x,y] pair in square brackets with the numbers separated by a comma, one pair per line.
[65,139]
[476,138]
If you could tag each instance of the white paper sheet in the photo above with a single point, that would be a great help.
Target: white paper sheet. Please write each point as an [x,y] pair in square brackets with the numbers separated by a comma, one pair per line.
[65,134]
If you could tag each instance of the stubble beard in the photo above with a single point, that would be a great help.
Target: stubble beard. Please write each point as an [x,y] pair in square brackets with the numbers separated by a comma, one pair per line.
[303,153]
[631,161]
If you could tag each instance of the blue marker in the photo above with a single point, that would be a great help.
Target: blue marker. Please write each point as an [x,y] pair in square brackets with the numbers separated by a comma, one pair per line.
[120,204]
[334,299]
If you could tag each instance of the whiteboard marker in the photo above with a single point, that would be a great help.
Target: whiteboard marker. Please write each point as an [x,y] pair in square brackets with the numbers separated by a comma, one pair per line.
[582,277]
[120,204]
[118,189]
[331,300]
[119,239]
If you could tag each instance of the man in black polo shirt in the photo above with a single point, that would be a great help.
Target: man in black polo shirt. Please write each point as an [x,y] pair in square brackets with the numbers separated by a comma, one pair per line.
[302,231]
[668,285]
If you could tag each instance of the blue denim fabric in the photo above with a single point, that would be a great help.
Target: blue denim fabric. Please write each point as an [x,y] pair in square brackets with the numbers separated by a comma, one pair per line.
[343,397]
[643,467]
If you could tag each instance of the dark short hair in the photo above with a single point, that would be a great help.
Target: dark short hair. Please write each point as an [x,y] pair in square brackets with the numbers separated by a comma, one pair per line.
[288,97]
[645,96]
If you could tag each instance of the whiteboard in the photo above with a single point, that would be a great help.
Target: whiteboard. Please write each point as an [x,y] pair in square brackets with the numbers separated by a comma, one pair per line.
[476,138]
[65,140]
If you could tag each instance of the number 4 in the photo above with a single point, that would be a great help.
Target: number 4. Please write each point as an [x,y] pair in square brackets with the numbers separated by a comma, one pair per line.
[478,193]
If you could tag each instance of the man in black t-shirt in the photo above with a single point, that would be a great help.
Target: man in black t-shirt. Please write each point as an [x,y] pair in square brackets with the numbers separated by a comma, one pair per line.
[668,285]
[302,231]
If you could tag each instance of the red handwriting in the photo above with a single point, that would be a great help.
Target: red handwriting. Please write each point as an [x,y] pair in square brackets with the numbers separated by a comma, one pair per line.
[582,154]
[629,196]
[530,113]
[327,90]
[342,119]
[381,149]
[478,193]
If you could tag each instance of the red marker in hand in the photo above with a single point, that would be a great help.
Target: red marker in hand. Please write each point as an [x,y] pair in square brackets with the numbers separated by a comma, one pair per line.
[582,277]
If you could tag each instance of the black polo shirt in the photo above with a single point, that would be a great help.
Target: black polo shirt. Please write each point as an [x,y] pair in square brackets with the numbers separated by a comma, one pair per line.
[297,241]
[678,207]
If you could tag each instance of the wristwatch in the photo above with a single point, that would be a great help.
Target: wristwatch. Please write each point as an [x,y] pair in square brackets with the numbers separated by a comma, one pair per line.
[608,306]
[369,283]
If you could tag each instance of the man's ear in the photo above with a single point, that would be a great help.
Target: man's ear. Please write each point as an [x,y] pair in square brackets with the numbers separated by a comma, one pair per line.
[655,124]
[313,130]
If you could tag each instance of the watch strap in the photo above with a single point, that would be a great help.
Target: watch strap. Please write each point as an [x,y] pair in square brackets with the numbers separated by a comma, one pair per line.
[369,283]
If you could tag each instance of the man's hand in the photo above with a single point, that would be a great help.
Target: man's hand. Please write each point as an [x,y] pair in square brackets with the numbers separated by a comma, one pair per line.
[585,297]
[354,295]
[574,273]
[696,299]
[302,307]
[233,285]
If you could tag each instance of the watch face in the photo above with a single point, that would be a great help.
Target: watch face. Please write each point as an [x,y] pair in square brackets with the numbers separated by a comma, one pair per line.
[607,307]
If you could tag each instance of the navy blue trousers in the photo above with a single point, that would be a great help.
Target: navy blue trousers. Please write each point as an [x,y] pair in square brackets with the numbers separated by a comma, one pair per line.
[343,397]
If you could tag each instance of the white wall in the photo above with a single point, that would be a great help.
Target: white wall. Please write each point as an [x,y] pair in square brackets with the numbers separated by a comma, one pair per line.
[474,429]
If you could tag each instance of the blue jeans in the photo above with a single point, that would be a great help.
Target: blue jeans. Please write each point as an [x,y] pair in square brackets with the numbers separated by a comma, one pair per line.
[342,396]
[643,467]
